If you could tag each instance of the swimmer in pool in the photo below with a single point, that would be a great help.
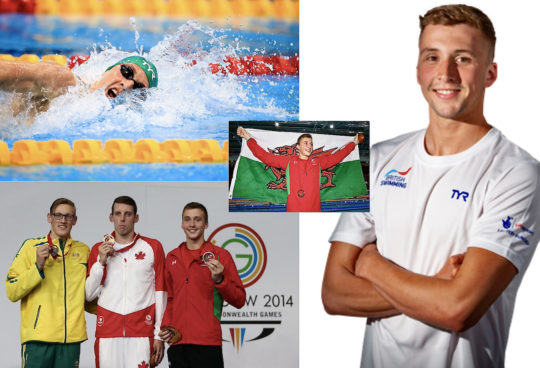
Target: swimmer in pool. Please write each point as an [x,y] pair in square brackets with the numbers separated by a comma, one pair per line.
[44,81]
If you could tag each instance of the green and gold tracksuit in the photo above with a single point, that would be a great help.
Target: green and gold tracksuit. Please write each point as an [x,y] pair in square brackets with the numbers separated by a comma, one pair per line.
[52,301]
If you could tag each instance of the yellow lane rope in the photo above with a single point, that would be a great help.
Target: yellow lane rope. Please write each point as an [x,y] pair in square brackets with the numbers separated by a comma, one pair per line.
[172,8]
[89,151]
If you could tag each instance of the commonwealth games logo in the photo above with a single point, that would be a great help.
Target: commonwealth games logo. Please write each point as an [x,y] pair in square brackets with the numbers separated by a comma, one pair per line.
[262,312]
[246,247]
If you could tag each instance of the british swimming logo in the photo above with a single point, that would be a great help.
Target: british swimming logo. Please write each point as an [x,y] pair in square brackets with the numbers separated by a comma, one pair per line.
[396,178]
[518,231]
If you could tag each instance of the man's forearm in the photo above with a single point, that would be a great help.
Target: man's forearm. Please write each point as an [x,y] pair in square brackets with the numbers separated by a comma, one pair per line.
[354,296]
[346,294]
[455,304]
[338,156]
[266,157]
[93,281]
[161,304]
[18,285]
[420,297]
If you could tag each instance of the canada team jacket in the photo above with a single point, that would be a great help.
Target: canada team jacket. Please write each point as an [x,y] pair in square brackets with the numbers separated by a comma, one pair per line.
[194,301]
[52,301]
[130,289]
[303,176]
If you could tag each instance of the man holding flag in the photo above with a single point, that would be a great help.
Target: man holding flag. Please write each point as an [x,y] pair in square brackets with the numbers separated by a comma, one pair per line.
[302,170]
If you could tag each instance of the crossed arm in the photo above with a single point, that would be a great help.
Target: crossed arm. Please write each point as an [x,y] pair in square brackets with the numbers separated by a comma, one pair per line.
[361,282]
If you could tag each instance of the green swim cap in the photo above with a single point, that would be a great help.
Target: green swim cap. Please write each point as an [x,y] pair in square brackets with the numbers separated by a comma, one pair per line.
[148,68]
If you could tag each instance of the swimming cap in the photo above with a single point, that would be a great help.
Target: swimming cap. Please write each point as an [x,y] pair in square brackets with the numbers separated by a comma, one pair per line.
[148,68]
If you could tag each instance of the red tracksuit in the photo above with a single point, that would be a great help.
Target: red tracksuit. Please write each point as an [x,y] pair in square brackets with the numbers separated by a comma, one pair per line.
[192,306]
[303,175]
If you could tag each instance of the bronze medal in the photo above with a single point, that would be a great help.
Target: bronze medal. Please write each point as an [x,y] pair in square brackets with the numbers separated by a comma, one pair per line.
[208,256]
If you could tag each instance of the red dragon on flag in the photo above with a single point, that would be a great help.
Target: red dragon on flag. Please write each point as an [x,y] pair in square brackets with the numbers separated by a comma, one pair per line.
[289,150]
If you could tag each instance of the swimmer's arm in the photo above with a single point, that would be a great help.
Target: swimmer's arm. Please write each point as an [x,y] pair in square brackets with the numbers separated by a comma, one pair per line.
[45,78]
[453,304]
[336,157]
[347,294]
[266,157]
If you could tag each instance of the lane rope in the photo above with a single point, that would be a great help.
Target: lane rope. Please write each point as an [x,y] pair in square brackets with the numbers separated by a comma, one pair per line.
[90,151]
[285,9]
[238,65]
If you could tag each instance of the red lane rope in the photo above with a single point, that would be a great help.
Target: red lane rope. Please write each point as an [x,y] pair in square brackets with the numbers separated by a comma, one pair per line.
[17,6]
[257,65]
[238,65]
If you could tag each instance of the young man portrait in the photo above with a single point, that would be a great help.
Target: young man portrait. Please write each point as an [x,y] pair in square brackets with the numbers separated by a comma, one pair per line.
[436,264]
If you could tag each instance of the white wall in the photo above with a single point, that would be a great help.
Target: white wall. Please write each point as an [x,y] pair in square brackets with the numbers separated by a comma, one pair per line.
[358,62]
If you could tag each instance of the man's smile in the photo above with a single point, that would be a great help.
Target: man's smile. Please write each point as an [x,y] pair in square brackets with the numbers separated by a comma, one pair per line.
[446,93]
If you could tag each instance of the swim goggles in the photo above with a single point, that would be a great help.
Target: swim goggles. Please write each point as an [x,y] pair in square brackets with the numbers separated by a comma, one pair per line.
[127,72]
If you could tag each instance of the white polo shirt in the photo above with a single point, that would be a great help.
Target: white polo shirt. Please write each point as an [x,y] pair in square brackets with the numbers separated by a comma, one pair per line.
[425,209]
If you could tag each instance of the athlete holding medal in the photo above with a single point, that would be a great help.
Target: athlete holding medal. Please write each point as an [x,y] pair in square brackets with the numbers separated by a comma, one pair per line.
[199,276]
[126,275]
[47,276]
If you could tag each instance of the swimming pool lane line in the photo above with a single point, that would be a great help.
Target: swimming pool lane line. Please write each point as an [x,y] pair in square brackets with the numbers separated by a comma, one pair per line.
[281,9]
[90,151]
[238,65]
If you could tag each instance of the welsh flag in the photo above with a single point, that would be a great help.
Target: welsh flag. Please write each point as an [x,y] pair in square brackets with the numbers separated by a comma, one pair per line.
[254,180]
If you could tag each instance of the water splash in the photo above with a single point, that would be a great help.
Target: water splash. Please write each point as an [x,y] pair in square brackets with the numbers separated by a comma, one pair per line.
[136,33]
[190,101]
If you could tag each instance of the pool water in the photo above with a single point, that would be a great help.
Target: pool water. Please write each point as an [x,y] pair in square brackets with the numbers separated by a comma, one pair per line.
[190,103]
[117,172]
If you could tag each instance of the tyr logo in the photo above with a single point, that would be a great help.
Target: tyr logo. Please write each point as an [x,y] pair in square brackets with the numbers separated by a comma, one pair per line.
[456,193]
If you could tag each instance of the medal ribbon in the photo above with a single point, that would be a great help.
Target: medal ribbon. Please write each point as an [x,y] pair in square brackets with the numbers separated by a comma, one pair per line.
[52,246]
[127,247]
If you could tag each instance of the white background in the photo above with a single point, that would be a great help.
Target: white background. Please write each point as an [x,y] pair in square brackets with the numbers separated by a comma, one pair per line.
[358,62]
[24,207]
